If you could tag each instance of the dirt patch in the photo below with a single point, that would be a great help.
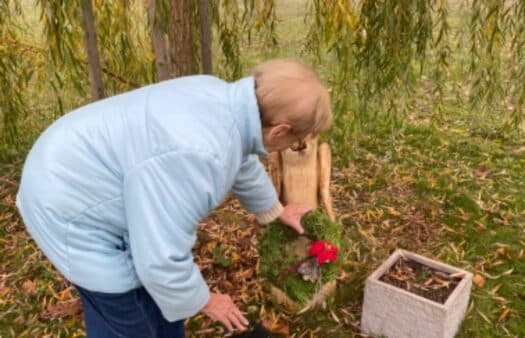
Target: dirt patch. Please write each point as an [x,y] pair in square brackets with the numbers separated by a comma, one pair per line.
[421,280]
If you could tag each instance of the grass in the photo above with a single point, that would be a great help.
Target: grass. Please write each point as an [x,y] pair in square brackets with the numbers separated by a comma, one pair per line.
[449,186]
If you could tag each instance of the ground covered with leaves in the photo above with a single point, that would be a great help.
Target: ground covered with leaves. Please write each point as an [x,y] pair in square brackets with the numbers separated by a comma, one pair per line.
[443,194]
[447,185]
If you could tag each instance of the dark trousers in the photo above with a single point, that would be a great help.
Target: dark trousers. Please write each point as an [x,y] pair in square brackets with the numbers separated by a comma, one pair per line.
[131,314]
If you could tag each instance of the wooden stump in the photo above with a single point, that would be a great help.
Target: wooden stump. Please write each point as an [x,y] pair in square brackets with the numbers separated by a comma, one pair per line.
[318,300]
[303,176]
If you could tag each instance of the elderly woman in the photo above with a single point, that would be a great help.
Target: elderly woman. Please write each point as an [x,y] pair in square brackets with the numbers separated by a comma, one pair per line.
[113,192]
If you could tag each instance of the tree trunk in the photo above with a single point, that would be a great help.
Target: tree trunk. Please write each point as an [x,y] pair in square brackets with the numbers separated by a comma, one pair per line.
[95,71]
[181,37]
[159,41]
[205,25]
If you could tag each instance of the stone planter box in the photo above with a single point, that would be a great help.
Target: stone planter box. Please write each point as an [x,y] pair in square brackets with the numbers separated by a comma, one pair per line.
[392,312]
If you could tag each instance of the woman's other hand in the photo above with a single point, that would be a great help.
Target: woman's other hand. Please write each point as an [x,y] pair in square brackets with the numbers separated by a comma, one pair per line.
[221,308]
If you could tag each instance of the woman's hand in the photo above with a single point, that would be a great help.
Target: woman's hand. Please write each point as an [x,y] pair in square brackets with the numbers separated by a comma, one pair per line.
[221,307]
[292,215]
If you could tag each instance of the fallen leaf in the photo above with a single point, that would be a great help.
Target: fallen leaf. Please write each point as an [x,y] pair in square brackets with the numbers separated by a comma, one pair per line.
[63,309]
[484,317]
[281,329]
[506,273]
[4,290]
[335,317]
[29,288]
[478,280]
[393,212]
[428,282]
[503,314]
[303,310]
[495,289]
[480,172]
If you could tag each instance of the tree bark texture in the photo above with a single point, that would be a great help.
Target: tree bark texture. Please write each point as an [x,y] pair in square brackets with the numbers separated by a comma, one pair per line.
[206,38]
[181,37]
[158,40]
[90,32]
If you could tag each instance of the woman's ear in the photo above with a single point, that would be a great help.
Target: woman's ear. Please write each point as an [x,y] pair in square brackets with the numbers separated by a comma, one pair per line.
[280,130]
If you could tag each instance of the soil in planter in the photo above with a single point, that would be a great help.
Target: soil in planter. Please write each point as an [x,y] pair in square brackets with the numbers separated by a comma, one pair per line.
[421,280]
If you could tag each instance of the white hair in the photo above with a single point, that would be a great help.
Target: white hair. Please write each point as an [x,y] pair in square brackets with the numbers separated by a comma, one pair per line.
[289,92]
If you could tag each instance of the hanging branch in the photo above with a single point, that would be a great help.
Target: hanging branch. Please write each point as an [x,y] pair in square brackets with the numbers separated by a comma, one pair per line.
[486,36]
[12,81]
[442,52]
[225,16]
[40,50]
[265,22]
[62,28]
[517,47]
[124,49]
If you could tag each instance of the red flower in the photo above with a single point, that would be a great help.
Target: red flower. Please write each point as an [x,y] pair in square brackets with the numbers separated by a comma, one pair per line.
[324,251]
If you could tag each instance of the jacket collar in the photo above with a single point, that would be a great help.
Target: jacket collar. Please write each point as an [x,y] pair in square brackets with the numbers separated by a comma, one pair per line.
[243,103]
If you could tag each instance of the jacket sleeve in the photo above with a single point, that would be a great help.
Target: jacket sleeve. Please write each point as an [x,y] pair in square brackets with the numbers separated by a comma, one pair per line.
[165,198]
[255,190]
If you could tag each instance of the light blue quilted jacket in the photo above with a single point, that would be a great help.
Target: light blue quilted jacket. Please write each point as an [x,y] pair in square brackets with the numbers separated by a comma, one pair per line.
[113,192]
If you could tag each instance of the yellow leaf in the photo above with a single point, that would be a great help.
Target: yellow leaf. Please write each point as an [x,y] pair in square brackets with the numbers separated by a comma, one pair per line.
[393,212]
[235,257]
[495,289]
[503,314]
[335,317]
[479,281]
[4,291]
[484,317]
[29,288]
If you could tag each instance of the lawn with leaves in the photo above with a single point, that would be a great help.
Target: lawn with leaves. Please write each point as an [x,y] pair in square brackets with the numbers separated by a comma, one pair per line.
[449,196]
[437,186]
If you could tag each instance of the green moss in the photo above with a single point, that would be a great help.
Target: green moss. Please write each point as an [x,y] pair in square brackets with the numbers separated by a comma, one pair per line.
[274,258]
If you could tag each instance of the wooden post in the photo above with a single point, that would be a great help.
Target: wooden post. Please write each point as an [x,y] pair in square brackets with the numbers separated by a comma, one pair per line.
[303,176]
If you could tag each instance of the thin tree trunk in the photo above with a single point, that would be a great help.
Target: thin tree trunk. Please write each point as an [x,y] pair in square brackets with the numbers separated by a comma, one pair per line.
[95,70]
[181,37]
[159,41]
[205,25]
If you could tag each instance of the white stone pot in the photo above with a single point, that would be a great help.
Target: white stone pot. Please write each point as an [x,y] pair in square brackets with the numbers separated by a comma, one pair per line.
[392,312]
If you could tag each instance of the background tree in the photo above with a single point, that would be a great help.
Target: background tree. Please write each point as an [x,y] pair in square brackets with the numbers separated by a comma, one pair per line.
[205,34]
[95,73]
[377,64]
[158,38]
[181,37]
